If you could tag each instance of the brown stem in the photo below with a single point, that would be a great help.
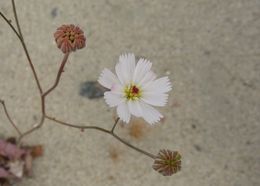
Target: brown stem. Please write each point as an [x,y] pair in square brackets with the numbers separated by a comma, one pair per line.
[9,118]
[76,126]
[20,37]
[16,19]
[114,126]
[133,147]
[25,48]
[61,69]
[43,96]
[31,130]
[11,26]
[105,131]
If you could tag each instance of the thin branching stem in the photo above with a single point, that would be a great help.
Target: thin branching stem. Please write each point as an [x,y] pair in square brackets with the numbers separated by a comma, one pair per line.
[25,48]
[111,132]
[76,126]
[133,147]
[21,39]
[31,130]
[9,118]
[61,69]
[11,26]
[43,96]
[16,19]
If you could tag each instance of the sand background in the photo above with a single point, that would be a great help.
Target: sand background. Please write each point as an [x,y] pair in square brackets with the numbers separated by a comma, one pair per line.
[209,49]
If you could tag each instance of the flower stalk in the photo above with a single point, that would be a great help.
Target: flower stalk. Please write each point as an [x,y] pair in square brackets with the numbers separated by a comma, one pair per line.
[9,118]
[111,132]
[43,96]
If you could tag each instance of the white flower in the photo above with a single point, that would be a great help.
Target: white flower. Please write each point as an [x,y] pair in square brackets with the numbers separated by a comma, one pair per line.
[134,89]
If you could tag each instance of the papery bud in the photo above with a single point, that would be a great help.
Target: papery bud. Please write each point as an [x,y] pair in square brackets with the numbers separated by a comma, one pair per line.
[167,162]
[69,38]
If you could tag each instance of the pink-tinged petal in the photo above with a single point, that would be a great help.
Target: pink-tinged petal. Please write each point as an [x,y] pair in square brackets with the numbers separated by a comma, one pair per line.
[125,68]
[150,114]
[155,99]
[107,79]
[10,150]
[135,108]
[113,99]
[117,88]
[17,168]
[161,85]
[123,112]
[4,173]
[142,68]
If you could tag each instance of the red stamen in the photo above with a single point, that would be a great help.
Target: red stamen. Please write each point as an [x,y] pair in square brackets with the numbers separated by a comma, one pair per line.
[135,90]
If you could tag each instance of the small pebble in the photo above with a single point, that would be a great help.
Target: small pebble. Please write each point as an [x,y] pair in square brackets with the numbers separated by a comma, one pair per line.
[54,12]
[92,90]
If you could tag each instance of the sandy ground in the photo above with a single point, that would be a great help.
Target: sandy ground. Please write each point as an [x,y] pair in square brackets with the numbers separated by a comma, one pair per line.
[209,49]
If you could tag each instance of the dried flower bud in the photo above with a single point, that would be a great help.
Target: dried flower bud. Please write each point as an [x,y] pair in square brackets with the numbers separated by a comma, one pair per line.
[69,38]
[167,162]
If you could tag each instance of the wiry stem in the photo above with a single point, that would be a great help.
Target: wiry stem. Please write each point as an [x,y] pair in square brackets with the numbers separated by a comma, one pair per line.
[31,130]
[133,147]
[11,26]
[61,69]
[114,126]
[25,48]
[43,96]
[77,126]
[16,19]
[105,131]
[20,37]
[9,118]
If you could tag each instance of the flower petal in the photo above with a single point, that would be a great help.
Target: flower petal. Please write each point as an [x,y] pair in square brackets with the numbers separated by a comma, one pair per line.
[4,173]
[125,68]
[150,114]
[149,77]
[113,99]
[107,79]
[155,99]
[123,112]
[161,85]
[117,88]
[143,66]
[10,150]
[135,108]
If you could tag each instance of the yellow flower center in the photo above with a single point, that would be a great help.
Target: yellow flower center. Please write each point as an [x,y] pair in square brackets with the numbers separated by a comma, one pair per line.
[132,92]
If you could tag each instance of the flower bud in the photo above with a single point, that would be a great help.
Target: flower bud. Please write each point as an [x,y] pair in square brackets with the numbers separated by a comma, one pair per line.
[69,38]
[167,162]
